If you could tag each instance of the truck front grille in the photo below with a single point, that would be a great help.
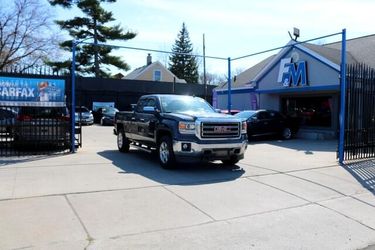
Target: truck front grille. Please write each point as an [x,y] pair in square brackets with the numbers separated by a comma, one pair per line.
[220,130]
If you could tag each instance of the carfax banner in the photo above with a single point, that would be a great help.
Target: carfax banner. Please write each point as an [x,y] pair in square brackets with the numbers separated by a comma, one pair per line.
[17,91]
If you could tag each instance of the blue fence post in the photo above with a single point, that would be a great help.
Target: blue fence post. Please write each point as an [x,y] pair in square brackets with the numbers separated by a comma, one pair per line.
[342,97]
[73,95]
[229,87]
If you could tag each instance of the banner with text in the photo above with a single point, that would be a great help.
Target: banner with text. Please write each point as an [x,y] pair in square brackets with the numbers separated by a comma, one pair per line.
[17,91]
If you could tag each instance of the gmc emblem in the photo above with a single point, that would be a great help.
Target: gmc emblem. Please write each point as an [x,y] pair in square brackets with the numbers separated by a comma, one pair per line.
[221,129]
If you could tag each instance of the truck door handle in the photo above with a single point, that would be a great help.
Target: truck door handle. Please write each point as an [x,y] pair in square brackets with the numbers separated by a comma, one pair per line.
[133,118]
[142,120]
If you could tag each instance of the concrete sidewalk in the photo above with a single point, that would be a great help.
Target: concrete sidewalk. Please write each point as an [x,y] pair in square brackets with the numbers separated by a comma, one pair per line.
[285,195]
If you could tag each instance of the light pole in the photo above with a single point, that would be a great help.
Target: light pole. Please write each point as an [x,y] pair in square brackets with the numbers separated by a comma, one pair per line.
[229,86]
[73,95]
[204,68]
[342,97]
[73,87]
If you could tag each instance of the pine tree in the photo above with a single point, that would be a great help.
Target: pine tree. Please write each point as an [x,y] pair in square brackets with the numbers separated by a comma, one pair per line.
[91,59]
[182,63]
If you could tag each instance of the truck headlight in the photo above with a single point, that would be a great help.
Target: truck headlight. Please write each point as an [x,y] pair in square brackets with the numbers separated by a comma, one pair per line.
[243,127]
[186,127]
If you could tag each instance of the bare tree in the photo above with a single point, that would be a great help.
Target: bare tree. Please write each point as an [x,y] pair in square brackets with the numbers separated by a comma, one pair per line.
[26,35]
[213,79]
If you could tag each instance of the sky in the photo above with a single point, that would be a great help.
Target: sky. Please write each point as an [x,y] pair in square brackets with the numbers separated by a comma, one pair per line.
[232,28]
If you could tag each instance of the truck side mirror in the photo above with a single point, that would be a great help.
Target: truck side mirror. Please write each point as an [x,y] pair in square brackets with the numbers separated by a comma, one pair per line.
[149,109]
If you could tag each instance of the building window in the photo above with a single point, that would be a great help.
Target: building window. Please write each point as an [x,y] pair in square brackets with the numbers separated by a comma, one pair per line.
[311,111]
[157,75]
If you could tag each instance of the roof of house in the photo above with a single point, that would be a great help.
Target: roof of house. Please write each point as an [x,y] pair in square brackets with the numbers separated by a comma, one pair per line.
[135,73]
[139,71]
[361,49]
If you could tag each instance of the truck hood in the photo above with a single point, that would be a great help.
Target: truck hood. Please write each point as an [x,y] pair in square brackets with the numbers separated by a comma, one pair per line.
[192,116]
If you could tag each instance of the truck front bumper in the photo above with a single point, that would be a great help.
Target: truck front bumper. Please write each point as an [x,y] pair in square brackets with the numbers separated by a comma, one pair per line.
[192,151]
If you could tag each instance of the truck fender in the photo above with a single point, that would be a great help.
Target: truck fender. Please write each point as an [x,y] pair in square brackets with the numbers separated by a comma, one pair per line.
[160,132]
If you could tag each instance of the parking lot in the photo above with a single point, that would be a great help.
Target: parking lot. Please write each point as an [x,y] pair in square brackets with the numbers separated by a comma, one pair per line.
[283,195]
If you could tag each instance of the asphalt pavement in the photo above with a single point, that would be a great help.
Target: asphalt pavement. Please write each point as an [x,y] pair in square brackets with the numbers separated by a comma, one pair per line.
[283,195]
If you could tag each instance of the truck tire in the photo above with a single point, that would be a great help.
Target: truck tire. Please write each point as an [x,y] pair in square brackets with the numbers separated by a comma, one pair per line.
[165,153]
[123,143]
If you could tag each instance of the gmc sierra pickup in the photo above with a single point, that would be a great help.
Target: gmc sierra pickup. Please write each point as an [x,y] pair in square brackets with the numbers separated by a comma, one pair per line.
[181,128]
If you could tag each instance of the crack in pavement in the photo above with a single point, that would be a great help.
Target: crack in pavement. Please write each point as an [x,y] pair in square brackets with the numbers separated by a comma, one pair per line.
[89,238]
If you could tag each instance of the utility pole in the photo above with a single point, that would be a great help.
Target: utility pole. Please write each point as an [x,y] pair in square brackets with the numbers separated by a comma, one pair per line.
[204,68]
[96,49]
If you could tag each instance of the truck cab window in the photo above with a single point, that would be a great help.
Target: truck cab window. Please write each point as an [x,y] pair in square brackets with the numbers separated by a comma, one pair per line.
[142,103]
[151,103]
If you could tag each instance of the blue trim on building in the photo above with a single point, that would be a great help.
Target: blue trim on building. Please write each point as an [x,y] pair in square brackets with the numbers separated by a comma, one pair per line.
[282,90]
[235,91]
[316,58]
[300,89]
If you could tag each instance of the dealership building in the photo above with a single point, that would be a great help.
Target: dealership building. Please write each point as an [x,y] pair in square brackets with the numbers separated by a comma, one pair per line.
[302,80]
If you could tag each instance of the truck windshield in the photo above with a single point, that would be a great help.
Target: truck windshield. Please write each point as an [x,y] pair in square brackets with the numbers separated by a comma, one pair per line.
[184,104]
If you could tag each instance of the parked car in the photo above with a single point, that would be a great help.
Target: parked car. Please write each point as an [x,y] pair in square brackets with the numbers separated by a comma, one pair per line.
[269,122]
[84,116]
[98,113]
[108,116]
[7,120]
[42,125]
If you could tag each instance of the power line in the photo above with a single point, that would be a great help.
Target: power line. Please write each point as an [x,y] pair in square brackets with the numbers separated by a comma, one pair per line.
[154,50]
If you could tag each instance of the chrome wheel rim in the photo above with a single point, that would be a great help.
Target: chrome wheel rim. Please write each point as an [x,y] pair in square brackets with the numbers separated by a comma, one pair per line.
[287,133]
[120,140]
[163,152]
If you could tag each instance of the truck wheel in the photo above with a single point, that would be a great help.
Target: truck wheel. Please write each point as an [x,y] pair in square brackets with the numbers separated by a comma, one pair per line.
[165,152]
[231,161]
[123,143]
[286,133]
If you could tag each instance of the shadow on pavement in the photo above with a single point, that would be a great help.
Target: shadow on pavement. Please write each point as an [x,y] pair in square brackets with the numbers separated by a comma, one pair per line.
[147,165]
[10,160]
[364,172]
[305,145]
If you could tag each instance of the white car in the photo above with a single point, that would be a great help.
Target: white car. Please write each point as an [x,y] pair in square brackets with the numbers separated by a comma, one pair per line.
[84,116]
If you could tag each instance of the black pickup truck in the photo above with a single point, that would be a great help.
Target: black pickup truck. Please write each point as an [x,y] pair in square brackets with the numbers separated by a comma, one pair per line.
[180,129]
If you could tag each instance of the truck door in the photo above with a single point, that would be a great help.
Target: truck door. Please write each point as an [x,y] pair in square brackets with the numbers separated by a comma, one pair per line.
[136,120]
[149,121]
[146,122]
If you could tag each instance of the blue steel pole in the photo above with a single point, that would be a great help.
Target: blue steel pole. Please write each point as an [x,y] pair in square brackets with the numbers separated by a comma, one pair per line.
[73,95]
[342,97]
[229,87]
